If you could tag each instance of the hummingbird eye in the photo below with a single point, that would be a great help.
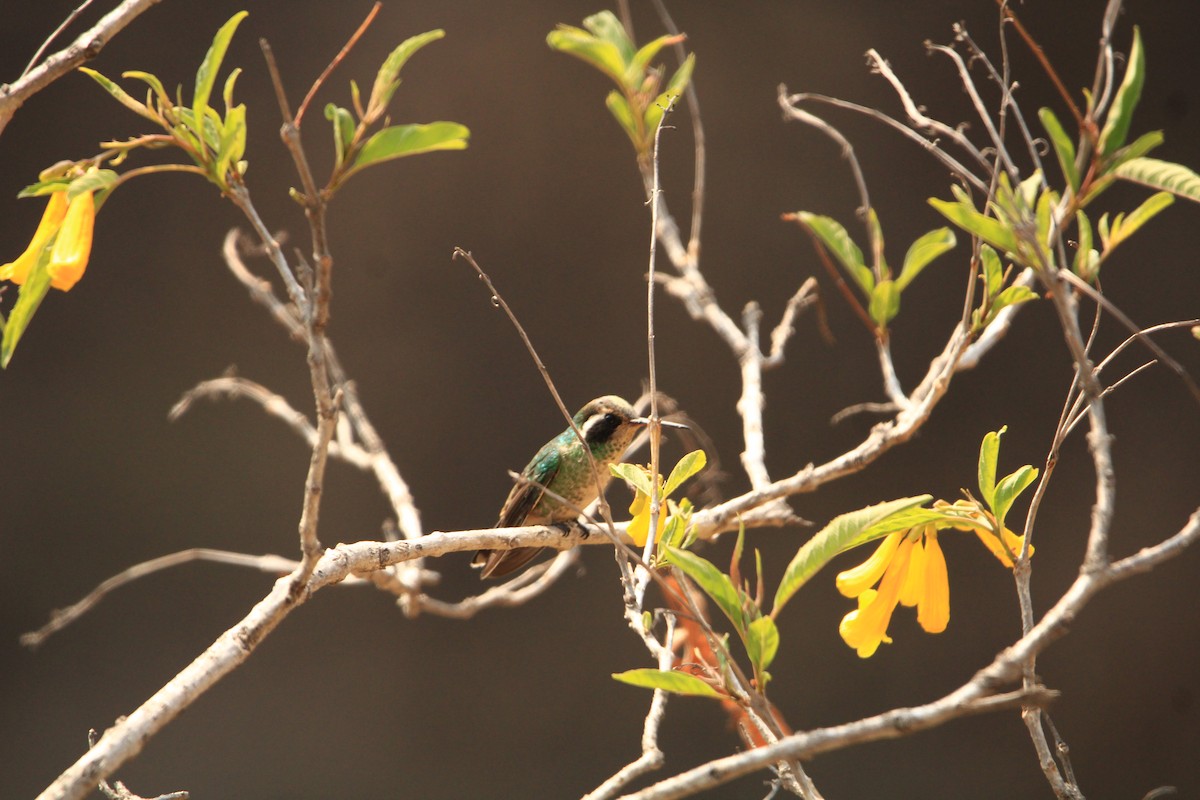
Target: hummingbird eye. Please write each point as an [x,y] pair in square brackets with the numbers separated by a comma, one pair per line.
[601,427]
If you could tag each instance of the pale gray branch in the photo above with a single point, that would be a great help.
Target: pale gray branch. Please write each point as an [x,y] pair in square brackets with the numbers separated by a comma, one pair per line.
[85,47]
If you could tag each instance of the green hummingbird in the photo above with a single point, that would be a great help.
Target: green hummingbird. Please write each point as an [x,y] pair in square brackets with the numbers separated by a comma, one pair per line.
[608,425]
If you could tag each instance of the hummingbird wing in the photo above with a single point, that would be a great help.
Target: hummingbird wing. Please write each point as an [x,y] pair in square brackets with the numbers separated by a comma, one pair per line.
[539,474]
[521,501]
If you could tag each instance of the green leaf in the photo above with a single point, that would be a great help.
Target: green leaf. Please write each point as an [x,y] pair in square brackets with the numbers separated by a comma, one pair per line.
[642,58]
[885,302]
[387,80]
[673,682]
[1138,217]
[604,56]
[685,468]
[1012,296]
[844,531]
[206,75]
[606,26]
[993,271]
[964,215]
[831,233]
[989,453]
[762,642]
[1064,147]
[1087,260]
[1008,489]
[1174,178]
[923,251]
[233,141]
[712,581]
[94,180]
[120,95]
[408,140]
[343,130]
[618,106]
[152,81]
[1140,147]
[632,474]
[679,81]
[1116,125]
[29,297]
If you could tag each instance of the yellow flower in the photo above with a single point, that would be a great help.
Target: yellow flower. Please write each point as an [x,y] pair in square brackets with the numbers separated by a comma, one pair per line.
[913,571]
[69,257]
[866,628]
[66,228]
[1012,542]
[17,271]
[639,526]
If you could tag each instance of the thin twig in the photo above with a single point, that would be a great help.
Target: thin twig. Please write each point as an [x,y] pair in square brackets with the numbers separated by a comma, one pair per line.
[62,617]
[85,47]
[74,15]
[346,48]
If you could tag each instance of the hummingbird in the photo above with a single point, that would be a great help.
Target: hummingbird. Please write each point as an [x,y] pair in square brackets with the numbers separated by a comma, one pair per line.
[608,425]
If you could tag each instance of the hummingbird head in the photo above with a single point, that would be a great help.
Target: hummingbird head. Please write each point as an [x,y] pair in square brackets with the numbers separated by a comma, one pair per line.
[610,419]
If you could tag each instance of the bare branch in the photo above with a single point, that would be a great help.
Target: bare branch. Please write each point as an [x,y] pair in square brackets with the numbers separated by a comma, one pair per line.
[85,47]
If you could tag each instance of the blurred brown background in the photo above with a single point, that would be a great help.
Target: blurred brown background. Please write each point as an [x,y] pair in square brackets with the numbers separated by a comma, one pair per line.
[350,699]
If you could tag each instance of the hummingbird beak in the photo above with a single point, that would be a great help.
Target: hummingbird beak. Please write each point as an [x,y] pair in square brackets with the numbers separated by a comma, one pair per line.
[664,422]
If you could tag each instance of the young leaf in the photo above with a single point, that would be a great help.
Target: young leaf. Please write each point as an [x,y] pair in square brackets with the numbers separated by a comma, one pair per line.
[1064,148]
[29,297]
[679,81]
[1174,178]
[121,96]
[842,532]
[993,271]
[632,474]
[1140,147]
[604,56]
[762,642]
[153,82]
[387,80]
[618,106]
[1116,125]
[1139,217]
[206,75]
[407,140]
[712,581]
[1008,489]
[607,27]
[964,215]
[343,130]
[885,302]
[989,453]
[838,242]
[94,180]
[1012,296]
[642,58]
[686,467]
[923,251]
[673,682]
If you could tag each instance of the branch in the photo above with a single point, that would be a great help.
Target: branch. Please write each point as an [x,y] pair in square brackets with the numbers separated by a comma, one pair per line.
[85,47]
[976,696]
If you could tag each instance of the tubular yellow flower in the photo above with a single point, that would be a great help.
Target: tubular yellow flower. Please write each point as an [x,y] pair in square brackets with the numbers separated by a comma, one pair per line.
[913,590]
[1011,541]
[866,628]
[69,257]
[17,271]
[853,582]
[933,612]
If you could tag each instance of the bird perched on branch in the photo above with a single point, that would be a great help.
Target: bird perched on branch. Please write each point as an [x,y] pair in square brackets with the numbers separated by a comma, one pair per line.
[562,466]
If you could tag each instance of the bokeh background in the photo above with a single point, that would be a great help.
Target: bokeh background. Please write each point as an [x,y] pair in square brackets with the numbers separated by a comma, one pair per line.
[350,699]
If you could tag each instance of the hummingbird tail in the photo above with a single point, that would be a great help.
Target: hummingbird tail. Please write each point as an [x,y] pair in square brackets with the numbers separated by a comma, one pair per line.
[498,563]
